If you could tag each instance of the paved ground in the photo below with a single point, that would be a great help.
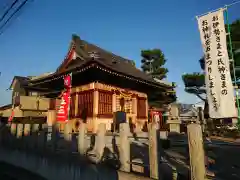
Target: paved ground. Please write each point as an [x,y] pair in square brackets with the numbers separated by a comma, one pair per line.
[225,154]
[9,172]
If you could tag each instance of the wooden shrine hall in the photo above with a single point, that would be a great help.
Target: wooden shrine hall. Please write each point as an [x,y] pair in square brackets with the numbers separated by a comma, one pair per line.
[102,84]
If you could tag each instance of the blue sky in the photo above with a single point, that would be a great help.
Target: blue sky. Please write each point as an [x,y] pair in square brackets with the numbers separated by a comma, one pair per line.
[38,39]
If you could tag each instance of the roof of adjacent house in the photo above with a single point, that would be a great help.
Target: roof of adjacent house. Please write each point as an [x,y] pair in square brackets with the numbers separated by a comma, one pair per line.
[21,79]
[83,52]
[7,106]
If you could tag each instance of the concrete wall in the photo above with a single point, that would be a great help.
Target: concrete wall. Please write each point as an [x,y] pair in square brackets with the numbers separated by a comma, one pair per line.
[53,169]
[38,154]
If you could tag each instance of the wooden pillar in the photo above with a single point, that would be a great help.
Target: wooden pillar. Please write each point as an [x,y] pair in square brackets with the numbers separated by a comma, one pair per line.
[134,109]
[114,102]
[124,147]
[196,152]
[51,117]
[95,110]
[146,101]
[76,105]
[81,138]
[153,150]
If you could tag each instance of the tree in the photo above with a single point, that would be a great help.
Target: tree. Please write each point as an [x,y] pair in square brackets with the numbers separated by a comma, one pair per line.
[195,82]
[152,63]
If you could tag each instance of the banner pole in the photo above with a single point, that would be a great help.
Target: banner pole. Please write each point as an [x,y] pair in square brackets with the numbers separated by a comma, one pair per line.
[233,65]
[226,6]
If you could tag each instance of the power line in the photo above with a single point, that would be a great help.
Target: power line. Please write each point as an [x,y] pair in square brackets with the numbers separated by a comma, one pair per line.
[7,11]
[12,15]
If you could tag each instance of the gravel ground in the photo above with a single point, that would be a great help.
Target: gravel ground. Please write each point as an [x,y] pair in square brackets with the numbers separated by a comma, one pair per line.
[226,156]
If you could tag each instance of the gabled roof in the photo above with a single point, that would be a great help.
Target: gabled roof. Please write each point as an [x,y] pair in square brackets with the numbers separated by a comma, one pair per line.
[22,80]
[80,54]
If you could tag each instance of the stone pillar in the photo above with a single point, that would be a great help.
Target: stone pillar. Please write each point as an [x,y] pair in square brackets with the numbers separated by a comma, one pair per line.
[173,119]
[27,129]
[13,129]
[174,125]
[153,150]
[68,131]
[196,152]
[35,129]
[81,139]
[124,147]
[95,111]
[19,130]
[100,140]
[43,136]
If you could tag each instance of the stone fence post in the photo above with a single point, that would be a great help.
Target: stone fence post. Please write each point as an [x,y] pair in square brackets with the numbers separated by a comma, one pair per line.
[42,136]
[196,152]
[19,130]
[124,148]
[153,150]
[100,140]
[13,129]
[81,138]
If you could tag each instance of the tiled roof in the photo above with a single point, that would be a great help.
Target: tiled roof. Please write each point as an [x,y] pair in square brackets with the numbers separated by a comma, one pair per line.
[83,50]
[110,60]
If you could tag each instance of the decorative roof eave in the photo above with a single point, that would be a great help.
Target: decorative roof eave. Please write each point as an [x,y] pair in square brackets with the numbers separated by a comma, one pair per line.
[57,76]
[79,70]
[68,57]
[130,78]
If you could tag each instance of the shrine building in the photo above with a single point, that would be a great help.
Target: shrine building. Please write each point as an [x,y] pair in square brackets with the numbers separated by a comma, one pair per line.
[102,84]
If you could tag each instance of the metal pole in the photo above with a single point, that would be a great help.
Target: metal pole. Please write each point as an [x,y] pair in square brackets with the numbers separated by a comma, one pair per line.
[233,65]
[226,6]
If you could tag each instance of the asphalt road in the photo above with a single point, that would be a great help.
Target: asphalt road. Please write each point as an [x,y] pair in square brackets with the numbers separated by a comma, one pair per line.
[225,154]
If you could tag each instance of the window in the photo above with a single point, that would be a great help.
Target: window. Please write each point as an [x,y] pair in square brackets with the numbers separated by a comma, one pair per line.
[105,104]
[52,104]
[85,104]
[141,108]
[127,104]
[33,93]
[72,105]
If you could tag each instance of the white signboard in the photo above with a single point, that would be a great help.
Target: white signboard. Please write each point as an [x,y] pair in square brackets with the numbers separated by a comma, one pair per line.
[220,92]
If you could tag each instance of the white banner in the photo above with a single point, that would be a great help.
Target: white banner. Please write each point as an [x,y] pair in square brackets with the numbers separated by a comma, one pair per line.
[220,92]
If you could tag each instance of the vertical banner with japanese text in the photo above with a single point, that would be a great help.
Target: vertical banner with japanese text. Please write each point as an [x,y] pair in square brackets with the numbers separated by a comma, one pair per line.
[220,92]
[63,111]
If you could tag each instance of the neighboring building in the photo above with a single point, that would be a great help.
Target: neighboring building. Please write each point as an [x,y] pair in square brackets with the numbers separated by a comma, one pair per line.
[102,83]
[26,103]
